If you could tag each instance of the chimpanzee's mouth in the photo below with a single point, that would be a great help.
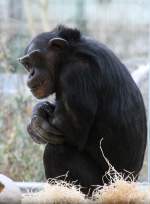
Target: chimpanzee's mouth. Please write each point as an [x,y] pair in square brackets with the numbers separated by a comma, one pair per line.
[36,86]
[41,89]
[37,91]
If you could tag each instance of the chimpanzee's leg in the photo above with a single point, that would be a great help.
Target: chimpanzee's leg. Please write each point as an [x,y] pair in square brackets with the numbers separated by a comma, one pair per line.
[60,159]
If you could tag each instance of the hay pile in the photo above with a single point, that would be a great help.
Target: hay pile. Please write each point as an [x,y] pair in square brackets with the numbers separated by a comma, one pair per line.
[122,192]
[56,192]
[118,191]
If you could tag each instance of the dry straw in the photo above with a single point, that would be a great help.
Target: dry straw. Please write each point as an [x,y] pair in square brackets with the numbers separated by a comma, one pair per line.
[118,191]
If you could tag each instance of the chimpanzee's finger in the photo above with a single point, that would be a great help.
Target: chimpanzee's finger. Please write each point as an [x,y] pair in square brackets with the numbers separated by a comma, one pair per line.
[43,109]
[50,129]
[43,130]
[34,135]
[41,123]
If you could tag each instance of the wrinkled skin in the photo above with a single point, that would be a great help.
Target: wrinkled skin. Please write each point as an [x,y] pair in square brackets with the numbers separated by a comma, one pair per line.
[39,127]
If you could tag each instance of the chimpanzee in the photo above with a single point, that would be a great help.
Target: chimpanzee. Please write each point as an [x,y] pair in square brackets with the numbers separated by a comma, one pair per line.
[96,98]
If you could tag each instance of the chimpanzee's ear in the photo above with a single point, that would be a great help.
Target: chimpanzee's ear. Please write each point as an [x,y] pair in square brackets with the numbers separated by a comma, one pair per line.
[59,43]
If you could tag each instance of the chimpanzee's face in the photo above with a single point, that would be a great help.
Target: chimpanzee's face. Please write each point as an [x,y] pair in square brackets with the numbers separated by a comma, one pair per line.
[40,60]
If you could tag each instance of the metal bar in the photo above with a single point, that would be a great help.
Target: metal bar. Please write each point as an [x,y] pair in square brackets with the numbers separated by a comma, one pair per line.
[25,186]
[28,187]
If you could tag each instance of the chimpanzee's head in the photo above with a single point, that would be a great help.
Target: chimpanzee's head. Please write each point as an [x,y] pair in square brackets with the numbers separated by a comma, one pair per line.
[43,56]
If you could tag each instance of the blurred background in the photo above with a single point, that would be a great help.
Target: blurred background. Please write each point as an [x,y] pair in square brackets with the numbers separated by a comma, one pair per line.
[123,25]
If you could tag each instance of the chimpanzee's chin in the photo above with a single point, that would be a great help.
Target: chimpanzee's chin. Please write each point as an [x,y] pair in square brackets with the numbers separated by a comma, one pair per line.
[41,92]
[40,96]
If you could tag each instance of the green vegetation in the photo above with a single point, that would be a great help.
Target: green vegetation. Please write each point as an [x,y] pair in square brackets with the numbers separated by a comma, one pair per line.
[11,50]
[20,157]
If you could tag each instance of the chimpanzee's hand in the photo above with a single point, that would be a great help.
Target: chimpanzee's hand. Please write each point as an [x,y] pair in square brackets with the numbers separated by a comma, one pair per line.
[40,129]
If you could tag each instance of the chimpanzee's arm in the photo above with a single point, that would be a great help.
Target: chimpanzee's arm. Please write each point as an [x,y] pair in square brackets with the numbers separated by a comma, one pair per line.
[77,104]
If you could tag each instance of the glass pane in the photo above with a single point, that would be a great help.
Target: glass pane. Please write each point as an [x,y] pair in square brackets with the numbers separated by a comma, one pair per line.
[121,25]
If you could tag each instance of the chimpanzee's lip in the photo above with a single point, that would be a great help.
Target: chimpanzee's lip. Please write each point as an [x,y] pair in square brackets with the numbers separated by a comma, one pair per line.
[40,90]
[37,86]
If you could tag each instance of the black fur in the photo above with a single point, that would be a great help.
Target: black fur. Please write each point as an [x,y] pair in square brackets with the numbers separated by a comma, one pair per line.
[96,98]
